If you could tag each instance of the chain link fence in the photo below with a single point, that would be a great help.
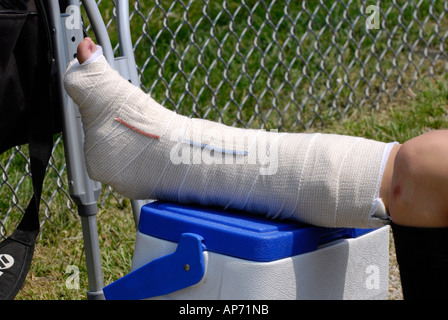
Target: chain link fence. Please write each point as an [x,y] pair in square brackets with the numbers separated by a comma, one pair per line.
[289,65]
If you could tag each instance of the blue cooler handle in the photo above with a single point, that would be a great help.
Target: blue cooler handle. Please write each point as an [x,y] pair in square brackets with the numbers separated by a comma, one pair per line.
[181,269]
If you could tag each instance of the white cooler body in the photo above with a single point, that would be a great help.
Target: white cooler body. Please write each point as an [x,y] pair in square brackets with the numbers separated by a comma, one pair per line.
[245,257]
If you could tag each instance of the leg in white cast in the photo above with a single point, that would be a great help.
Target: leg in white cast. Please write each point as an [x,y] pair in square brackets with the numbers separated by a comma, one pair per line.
[144,151]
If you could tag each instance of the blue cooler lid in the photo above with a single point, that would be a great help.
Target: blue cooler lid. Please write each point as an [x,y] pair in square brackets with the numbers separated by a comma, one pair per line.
[236,233]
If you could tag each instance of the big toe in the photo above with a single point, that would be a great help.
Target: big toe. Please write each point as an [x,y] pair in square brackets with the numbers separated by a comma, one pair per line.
[85,49]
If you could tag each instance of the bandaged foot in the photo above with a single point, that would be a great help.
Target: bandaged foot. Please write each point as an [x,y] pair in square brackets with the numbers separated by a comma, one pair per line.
[145,151]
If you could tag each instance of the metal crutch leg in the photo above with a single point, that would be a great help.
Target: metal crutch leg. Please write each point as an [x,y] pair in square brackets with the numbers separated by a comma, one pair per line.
[83,190]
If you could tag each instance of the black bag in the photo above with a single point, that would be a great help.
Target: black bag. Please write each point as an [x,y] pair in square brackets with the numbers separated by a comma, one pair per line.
[28,115]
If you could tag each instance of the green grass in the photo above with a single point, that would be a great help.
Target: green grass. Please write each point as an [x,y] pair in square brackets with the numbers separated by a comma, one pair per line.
[404,118]
[194,67]
[61,246]
[241,100]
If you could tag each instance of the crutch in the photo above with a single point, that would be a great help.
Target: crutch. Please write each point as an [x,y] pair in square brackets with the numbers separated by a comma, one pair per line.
[67,32]
[66,36]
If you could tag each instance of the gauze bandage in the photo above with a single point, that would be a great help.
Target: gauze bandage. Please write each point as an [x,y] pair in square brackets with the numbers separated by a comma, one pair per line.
[145,151]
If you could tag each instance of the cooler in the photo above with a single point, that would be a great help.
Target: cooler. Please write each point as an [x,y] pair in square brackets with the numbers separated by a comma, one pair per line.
[193,252]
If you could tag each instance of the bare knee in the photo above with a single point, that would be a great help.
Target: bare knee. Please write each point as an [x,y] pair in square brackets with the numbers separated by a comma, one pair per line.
[419,189]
